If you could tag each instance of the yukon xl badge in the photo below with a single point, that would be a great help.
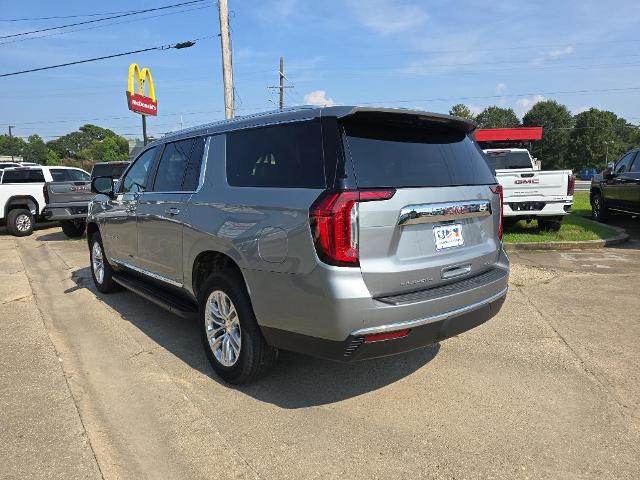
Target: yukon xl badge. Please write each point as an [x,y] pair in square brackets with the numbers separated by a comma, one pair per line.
[415,282]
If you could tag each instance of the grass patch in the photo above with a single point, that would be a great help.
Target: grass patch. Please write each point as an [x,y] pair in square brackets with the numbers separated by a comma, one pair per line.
[575,227]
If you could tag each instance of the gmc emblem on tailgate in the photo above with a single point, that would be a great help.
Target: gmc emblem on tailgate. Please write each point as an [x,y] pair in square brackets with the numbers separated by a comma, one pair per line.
[526,181]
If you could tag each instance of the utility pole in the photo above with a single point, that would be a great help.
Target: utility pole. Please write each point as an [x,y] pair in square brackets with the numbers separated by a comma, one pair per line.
[227,65]
[281,77]
[144,129]
[11,140]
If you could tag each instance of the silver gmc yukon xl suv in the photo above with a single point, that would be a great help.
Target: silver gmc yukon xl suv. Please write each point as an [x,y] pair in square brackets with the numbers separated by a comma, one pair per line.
[340,232]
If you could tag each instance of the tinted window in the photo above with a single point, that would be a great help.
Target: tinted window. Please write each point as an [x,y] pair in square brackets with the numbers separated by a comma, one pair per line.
[508,160]
[23,176]
[404,156]
[279,156]
[113,170]
[635,167]
[136,178]
[78,175]
[59,175]
[192,175]
[624,163]
[173,165]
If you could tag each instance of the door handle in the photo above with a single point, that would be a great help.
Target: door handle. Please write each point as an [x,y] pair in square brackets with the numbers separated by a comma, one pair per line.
[172,211]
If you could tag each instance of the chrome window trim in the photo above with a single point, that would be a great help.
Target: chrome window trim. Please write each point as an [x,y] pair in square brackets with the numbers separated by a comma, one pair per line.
[391,327]
[146,272]
[438,212]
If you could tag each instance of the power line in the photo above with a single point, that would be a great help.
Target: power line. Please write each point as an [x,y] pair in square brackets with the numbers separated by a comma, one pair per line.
[162,47]
[135,12]
[35,19]
[94,27]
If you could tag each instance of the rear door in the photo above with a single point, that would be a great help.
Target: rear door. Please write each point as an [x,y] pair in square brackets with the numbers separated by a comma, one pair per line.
[442,222]
[161,210]
[630,186]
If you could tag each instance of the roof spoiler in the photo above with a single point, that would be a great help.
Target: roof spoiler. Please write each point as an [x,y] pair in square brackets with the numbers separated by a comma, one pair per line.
[401,115]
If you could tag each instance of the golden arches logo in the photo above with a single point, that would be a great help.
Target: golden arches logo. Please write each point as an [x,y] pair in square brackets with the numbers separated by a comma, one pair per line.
[136,100]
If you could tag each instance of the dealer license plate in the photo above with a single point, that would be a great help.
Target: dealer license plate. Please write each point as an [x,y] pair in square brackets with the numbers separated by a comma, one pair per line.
[448,236]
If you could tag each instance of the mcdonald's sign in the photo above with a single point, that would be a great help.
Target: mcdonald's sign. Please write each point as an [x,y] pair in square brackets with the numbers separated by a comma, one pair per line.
[136,100]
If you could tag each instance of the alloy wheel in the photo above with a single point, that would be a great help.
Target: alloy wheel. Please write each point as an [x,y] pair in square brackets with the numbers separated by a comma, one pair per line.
[223,328]
[97,262]
[23,222]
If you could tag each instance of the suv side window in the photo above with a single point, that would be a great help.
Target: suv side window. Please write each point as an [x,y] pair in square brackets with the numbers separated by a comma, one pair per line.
[136,178]
[624,164]
[192,175]
[288,155]
[173,165]
[635,167]
[59,175]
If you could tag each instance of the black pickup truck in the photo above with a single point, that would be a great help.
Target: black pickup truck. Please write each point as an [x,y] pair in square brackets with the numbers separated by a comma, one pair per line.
[68,199]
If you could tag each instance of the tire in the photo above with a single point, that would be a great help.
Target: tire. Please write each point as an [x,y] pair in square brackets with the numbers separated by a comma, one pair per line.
[102,278]
[233,343]
[599,210]
[549,224]
[73,228]
[20,222]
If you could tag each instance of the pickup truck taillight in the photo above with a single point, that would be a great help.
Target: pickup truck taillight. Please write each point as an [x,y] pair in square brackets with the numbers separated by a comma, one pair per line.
[45,193]
[334,224]
[571,184]
[497,189]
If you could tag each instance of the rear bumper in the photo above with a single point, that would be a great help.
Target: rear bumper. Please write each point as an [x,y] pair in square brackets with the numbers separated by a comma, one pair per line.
[537,208]
[65,213]
[422,332]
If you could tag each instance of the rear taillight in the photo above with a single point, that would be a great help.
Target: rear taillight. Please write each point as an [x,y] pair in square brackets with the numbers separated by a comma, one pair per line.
[334,224]
[571,184]
[497,189]
[45,193]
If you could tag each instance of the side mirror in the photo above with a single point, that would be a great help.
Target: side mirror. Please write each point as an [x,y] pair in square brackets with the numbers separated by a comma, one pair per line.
[103,185]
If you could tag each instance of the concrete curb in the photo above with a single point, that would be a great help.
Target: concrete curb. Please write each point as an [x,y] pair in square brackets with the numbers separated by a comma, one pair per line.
[578,245]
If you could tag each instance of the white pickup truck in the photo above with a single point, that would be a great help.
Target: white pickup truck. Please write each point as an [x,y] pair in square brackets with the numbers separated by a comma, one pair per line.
[22,199]
[529,193]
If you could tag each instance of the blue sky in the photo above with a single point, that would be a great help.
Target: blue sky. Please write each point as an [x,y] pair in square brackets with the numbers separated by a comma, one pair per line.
[418,54]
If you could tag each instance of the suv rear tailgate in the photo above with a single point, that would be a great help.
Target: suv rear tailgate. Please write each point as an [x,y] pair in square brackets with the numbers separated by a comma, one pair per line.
[442,223]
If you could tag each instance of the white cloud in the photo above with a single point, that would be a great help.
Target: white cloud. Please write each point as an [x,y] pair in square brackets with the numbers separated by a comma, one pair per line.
[389,16]
[318,97]
[501,87]
[561,52]
[524,104]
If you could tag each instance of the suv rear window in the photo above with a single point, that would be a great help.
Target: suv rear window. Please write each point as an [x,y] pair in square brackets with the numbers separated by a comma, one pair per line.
[393,155]
[23,176]
[288,155]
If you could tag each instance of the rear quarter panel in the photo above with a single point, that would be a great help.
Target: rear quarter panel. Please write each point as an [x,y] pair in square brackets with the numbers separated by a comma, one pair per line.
[261,229]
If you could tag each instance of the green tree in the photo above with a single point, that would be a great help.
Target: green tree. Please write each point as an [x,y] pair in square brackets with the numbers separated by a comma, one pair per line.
[52,158]
[556,121]
[596,133]
[497,117]
[35,150]
[11,145]
[71,144]
[461,110]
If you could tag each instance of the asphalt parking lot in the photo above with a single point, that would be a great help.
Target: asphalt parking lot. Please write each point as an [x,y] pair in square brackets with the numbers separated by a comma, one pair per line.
[96,386]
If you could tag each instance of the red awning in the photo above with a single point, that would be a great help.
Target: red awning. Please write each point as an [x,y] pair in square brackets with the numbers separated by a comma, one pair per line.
[507,134]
